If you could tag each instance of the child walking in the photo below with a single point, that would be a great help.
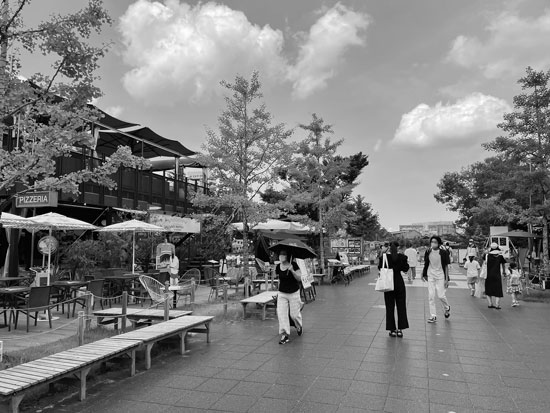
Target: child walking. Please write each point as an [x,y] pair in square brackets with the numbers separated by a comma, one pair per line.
[514,284]
[472,272]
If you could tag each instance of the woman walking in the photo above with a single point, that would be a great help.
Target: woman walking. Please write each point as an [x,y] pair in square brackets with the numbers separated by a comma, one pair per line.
[495,271]
[289,296]
[397,297]
[436,274]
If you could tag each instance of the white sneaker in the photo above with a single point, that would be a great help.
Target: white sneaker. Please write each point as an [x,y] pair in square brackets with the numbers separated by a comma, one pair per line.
[472,292]
[432,319]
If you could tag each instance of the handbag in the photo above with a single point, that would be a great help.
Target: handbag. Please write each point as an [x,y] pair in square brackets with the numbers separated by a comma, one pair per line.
[384,283]
[483,272]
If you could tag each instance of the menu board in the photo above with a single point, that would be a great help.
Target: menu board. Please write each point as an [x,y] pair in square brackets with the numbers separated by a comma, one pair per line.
[307,276]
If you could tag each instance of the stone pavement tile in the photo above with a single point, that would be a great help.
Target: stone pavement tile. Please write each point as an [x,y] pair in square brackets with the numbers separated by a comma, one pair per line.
[533,384]
[232,373]
[408,393]
[501,404]
[378,367]
[218,385]
[360,401]
[367,387]
[246,388]
[125,406]
[217,362]
[295,379]
[182,409]
[346,409]
[200,371]
[446,385]
[376,377]
[324,396]
[450,375]
[197,399]
[446,408]
[344,364]
[340,373]
[481,379]
[306,406]
[262,377]
[409,381]
[285,391]
[235,355]
[331,383]
[155,394]
[181,382]
[399,406]
[266,405]
[451,398]
[234,403]
[246,364]
[411,370]
[489,390]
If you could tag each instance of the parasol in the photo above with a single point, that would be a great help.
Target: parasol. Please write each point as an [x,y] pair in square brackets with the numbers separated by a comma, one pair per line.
[295,248]
[516,234]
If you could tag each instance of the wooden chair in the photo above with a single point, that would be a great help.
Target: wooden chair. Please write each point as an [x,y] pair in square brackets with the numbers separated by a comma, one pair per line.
[235,277]
[155,290]
[38,300]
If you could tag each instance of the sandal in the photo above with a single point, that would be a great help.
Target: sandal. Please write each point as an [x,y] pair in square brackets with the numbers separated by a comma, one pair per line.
[498,307]
[399,333]
[491,306]
[393,333]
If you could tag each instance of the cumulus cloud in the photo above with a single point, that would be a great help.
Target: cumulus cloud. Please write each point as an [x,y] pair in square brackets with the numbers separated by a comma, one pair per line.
[512,43]
[328,39]
[472,117]
[115,111]
[179,52]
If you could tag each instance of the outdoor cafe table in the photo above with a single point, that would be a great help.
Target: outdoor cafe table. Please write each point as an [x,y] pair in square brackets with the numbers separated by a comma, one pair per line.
[10,295]
[124,280]
[6,281]
[68,290]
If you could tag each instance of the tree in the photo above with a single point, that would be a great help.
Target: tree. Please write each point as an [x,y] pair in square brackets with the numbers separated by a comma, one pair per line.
[244,154]
[46,117]
[319,179]
[365,222]
[528,143]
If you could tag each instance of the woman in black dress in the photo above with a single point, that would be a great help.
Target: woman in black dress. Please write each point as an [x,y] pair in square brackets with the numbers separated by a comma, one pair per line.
[493,283]
[397,297]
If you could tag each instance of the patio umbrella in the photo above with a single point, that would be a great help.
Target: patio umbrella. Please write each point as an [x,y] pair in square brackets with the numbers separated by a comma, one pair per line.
[517,234]
[14,221]
[135,226]
[294,247]
[54,221]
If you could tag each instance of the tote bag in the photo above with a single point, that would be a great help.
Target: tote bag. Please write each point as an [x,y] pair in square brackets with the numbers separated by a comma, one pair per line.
[384,283]
[483,272]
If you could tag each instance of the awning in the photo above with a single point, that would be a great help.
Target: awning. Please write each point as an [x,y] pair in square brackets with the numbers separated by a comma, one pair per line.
[111,121]
[142,141]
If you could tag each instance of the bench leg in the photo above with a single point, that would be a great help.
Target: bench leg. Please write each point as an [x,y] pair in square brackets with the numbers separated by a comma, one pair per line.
[132,355]
[183,338]
[244,310]
[148,348]
[264,306]
[15,401]
[83,376]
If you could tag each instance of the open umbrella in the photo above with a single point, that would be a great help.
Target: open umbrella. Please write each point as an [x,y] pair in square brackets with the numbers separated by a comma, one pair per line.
[135,226]
[517,234]
[294,247]
[15,221]
[54,221]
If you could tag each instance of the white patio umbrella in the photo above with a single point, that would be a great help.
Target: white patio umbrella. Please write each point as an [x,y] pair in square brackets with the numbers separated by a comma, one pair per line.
[13,221]
[54,221]
[135,226]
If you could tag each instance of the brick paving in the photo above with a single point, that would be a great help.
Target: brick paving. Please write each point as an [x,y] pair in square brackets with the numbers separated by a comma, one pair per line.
[480,360]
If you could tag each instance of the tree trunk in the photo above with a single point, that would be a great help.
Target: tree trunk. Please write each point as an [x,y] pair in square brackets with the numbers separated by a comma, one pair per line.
[245,253]
[4,14]
[321,238]
[545,259]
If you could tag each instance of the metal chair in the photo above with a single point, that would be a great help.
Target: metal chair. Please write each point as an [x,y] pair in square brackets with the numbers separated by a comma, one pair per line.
[155,290]
[186,281]
[96,288]
[37,300]
[235,276]
[212,277]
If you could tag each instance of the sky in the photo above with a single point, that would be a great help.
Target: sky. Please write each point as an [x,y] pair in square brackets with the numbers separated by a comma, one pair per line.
[415,85]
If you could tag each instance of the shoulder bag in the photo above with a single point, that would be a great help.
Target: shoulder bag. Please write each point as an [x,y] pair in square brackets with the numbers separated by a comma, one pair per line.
[384,283]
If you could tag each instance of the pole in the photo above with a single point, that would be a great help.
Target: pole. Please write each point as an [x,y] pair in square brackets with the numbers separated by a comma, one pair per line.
[133,251]
[124,311]
[192,299]
[166,301]
[225,285]
[89,304]
[49,258]
[81,328]
[32,240]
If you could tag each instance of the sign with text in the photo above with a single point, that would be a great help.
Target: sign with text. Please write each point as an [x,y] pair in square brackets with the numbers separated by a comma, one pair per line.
[176,224]
[36,199]
[307,276]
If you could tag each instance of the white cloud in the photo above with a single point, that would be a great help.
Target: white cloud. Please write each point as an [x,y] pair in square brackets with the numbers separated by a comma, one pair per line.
[472,117]
[179,52]
[512,44]
[324,46]
[115,111]
[377,145]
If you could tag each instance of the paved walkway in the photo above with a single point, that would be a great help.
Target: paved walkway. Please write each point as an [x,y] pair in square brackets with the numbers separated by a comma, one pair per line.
[479,360]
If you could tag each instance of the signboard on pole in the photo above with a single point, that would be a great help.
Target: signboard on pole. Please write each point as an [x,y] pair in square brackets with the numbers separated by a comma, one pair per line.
[36,199]
[176,224]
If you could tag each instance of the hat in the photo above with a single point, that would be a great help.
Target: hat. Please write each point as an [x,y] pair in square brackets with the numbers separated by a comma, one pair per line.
[470,240]
[494,246]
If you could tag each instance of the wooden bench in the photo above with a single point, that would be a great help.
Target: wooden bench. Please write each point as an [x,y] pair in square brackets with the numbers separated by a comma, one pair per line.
[263,300]
[135,315]
[148,336]
[17,381]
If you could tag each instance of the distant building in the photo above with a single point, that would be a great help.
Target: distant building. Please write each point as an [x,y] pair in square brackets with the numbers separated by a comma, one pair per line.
[430,228]
[406,234]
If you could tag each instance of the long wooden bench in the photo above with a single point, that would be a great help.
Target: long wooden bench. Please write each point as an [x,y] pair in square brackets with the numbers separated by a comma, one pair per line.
[135,315]
[262,299]
[17,381]
[147,337]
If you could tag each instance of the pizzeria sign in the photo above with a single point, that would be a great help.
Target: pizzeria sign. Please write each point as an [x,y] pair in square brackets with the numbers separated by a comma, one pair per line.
[36,199]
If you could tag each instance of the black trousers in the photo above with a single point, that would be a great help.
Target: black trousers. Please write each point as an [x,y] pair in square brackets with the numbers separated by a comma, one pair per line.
[396,298]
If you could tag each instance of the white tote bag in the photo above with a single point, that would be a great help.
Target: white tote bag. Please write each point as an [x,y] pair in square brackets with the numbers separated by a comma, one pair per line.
[384,283]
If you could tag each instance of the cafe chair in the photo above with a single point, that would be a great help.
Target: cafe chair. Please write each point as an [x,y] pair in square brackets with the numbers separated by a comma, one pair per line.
[38,300]
[155,290]
[96,288]
[212,278]
[186,282]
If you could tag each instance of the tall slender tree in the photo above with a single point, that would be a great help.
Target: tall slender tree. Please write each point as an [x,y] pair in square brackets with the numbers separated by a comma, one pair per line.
[244,154]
